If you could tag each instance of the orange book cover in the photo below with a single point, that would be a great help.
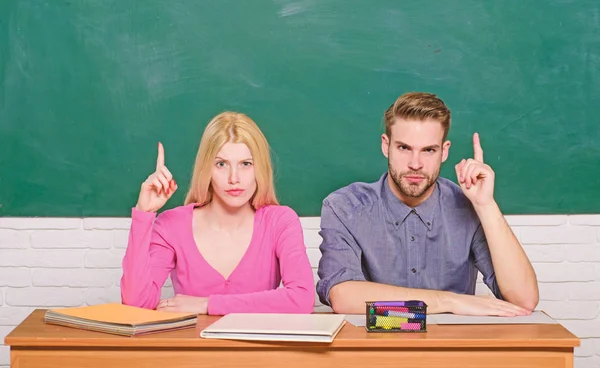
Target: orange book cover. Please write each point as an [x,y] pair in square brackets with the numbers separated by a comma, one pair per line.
[116,313]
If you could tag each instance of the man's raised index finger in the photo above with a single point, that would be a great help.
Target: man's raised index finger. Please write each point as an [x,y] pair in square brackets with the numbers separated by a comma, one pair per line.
[477,150]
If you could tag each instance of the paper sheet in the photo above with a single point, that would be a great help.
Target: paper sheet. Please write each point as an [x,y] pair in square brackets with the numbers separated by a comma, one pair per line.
[537,317]
[357,320]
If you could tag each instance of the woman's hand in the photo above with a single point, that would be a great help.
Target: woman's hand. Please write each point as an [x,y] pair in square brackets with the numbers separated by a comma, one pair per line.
[184,304]
[159,186]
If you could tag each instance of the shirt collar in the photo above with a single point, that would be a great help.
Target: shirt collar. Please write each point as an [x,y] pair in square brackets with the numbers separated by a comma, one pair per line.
[400,211]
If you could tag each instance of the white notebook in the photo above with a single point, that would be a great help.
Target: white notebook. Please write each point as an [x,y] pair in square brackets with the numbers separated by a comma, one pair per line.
[276,327]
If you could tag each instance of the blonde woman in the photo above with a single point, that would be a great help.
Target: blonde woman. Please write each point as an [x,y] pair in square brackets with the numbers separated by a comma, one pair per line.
[229,247]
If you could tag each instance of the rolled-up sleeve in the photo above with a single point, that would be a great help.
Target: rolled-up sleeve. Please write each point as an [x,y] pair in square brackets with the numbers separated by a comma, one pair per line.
[483,261]
[340,254]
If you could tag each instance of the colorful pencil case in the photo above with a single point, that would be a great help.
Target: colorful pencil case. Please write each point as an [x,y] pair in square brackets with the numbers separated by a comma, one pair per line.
[396,316]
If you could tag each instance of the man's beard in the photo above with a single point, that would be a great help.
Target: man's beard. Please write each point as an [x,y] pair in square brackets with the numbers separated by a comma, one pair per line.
[412,190]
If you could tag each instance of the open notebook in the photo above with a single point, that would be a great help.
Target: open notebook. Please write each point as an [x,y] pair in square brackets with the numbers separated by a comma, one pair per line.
[276,327]
[119,319]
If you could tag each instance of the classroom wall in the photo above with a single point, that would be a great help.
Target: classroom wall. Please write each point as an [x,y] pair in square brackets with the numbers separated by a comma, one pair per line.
[65,262]
[87,88]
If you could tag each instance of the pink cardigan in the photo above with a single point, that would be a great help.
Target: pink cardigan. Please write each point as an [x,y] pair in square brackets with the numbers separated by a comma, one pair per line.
[166,246]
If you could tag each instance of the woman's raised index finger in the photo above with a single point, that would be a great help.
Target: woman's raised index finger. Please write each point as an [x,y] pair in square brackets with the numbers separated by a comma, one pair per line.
[160,161]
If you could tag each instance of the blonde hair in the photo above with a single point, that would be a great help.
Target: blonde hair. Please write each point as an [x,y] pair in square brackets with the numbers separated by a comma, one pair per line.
[236,128]
[420,106]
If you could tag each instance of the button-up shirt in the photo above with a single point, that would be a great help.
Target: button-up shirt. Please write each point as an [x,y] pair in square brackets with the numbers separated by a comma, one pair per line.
[371,235]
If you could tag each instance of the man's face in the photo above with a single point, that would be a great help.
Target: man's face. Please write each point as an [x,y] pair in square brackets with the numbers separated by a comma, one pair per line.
[415,152]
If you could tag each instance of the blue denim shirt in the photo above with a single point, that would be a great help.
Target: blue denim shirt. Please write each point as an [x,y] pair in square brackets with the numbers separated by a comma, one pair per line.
[370,235]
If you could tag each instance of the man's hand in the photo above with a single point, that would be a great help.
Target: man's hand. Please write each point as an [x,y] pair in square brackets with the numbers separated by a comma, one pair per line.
[472,305]
[476,179]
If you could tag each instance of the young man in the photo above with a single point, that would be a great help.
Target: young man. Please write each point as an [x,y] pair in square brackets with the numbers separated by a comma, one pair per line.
[415,236]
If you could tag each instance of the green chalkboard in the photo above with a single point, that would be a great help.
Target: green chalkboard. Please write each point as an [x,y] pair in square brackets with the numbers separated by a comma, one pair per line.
[88,88]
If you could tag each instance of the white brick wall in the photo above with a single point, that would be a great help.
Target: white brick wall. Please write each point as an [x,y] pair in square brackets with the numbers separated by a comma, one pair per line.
[56,262]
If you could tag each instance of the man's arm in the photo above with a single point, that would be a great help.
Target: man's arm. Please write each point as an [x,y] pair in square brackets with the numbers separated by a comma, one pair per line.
[343,286]
[514,274]
[350,297]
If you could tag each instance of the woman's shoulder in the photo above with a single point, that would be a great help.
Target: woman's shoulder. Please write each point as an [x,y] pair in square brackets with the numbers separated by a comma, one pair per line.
[175,214]
[275,210]
[277,215]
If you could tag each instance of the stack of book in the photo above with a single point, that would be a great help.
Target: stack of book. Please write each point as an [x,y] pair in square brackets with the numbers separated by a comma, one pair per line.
[119,319]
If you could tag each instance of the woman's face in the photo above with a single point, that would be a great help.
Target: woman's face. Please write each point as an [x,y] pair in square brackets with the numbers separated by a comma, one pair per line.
[233,179]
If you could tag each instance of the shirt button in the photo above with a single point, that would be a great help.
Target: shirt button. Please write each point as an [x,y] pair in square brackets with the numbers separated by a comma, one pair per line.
[428,223]
[396,223]
[412,238]
[227,282]
[414,270]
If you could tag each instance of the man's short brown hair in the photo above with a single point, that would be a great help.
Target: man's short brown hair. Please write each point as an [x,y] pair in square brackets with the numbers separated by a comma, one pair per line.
[418,106]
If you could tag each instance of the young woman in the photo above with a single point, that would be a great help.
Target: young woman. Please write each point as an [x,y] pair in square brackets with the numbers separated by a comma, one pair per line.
[231,245]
